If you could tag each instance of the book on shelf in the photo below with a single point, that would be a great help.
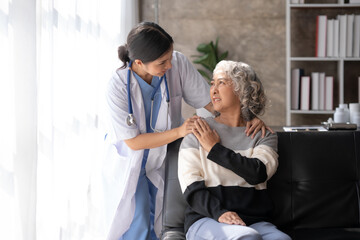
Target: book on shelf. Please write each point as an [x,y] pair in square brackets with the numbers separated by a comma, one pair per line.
[329,92]
[315,90]
[354,1]
[322,91]
[321,21]
[305,93]
[342,35]
[319,91]
[296,74]
[349,33]
[330,38]
[336,38]
[356,47]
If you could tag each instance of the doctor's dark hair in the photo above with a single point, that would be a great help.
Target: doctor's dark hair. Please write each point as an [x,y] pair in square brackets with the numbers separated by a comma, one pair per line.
[246,85]
[146,42]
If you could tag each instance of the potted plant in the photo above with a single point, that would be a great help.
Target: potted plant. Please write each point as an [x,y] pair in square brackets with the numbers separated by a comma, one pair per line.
[209,58]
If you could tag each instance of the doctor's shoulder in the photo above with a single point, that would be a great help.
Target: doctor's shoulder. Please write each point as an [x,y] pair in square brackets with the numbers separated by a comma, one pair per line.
[117,82]
[183,68]
[179,59]
[118,77]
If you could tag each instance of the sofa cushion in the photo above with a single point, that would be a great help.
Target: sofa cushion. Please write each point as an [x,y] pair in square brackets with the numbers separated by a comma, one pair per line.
[325,234]
[317,182]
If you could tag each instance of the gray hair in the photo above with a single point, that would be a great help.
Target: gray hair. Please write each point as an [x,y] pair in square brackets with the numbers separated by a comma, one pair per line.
[247,86]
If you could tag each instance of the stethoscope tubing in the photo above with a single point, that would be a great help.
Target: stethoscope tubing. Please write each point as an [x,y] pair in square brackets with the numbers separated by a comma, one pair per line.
[131,119]
[130,109]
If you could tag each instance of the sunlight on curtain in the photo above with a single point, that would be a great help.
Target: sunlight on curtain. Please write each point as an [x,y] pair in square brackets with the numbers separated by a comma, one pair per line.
[77,53]
[10,216]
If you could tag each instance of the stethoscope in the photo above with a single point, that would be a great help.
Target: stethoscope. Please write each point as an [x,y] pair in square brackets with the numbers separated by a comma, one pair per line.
[130,120]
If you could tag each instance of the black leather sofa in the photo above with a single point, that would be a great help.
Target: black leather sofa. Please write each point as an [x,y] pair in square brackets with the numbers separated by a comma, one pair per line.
[315,189]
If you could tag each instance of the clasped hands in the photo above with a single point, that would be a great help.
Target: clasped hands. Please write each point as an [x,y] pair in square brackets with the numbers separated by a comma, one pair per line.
[231,218]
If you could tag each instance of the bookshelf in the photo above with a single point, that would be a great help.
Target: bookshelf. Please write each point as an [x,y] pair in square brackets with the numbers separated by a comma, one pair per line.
[300,53]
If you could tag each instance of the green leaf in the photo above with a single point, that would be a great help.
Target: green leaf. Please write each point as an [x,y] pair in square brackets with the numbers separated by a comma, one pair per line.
[204,48]
[207,61]
[210,57]
[201,59]
[204,74]
[204,61]
[216,44]
[223,56]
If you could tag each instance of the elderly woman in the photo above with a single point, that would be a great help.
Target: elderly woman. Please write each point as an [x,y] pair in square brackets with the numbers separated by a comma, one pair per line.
[222,172]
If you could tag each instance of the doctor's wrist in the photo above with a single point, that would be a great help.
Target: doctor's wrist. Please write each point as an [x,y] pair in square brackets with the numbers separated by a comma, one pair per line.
[178,132]
[181,131]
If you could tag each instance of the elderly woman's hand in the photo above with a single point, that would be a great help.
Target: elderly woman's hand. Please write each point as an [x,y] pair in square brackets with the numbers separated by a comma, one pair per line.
[231,218]
[206,136]
[254,126]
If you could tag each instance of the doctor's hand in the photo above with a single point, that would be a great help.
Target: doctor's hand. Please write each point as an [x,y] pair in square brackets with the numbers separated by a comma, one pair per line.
[187,126]
[254,126]
[206,136]
[231,218]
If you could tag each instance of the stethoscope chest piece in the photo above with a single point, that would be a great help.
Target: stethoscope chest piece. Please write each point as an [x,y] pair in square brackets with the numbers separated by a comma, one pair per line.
[130,120]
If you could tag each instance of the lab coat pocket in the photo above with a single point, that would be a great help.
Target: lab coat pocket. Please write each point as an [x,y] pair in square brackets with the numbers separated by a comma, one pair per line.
[116,166]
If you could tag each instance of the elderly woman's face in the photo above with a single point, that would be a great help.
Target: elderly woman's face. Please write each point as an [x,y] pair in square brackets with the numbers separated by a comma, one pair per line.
[222,93]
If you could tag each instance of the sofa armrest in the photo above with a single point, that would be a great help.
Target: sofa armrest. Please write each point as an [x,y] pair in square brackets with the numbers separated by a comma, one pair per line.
[174,203]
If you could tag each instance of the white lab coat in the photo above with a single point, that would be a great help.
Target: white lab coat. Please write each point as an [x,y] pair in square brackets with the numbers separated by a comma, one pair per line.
[122,166]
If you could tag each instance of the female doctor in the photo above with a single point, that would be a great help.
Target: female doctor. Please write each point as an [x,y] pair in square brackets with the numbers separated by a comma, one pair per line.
[144,98]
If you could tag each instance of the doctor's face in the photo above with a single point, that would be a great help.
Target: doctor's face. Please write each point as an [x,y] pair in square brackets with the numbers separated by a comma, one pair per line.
[222,93]
[159,66]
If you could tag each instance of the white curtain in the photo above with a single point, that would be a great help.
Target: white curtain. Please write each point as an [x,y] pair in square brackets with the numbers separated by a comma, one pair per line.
[51,181]
[9,205]
[18,148]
